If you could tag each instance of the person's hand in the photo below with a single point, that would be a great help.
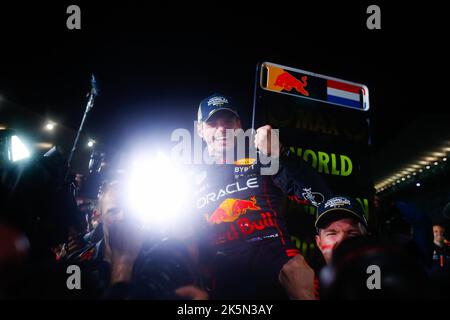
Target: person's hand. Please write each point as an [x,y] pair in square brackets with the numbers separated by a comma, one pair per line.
[74,243]
[126,241]
[192,293]
[264,139]
[297,277]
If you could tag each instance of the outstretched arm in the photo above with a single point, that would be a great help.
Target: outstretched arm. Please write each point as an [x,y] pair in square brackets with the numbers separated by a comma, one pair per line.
[300,182]
[294,176]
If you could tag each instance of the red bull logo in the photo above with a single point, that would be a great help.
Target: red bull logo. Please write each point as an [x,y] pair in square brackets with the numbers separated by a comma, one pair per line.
[244,227]
[248,227]
[288,82]
[231,209]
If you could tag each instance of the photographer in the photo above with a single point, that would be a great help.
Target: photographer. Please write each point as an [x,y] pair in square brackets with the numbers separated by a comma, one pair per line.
[129,263]
[37,212]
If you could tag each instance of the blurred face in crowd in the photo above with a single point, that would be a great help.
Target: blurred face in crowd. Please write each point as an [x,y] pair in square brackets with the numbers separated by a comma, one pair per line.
[122,234]
[438,233]
[376,202]
[111,208]
[334,233]
[214,132]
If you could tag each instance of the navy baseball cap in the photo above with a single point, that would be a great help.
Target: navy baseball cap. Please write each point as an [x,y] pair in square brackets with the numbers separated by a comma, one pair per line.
[214,103]
[338,208]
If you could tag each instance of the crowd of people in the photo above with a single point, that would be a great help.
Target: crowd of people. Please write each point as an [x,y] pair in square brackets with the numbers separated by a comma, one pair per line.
[237,245]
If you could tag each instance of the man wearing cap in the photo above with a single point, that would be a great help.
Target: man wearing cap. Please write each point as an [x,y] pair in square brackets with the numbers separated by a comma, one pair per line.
[337,219]
[241,225]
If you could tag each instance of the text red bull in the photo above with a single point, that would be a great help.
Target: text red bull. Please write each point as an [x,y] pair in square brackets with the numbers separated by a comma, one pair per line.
[247,227]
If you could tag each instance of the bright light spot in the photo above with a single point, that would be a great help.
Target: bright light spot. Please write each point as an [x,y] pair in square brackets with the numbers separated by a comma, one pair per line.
[50,126]
[414,173]
[19,150]
[436,163]
[403,179]
[43,145]
[158,192]
[398,181]
[418,184]
[445,159]
[428,167]
[420,170]
[91,143]
[408,176]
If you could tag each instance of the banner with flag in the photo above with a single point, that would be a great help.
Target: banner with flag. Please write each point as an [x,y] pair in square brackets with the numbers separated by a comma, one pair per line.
[314,86]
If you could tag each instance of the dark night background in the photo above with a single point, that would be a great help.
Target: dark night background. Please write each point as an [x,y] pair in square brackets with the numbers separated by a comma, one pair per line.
[154,64]
[155,61]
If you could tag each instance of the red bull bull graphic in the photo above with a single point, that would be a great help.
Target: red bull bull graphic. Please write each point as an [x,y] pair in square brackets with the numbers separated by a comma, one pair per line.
[314,86]
[289,82]
[231,209]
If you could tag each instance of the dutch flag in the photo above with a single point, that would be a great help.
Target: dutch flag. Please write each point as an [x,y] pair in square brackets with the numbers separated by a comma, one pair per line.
[344,94]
